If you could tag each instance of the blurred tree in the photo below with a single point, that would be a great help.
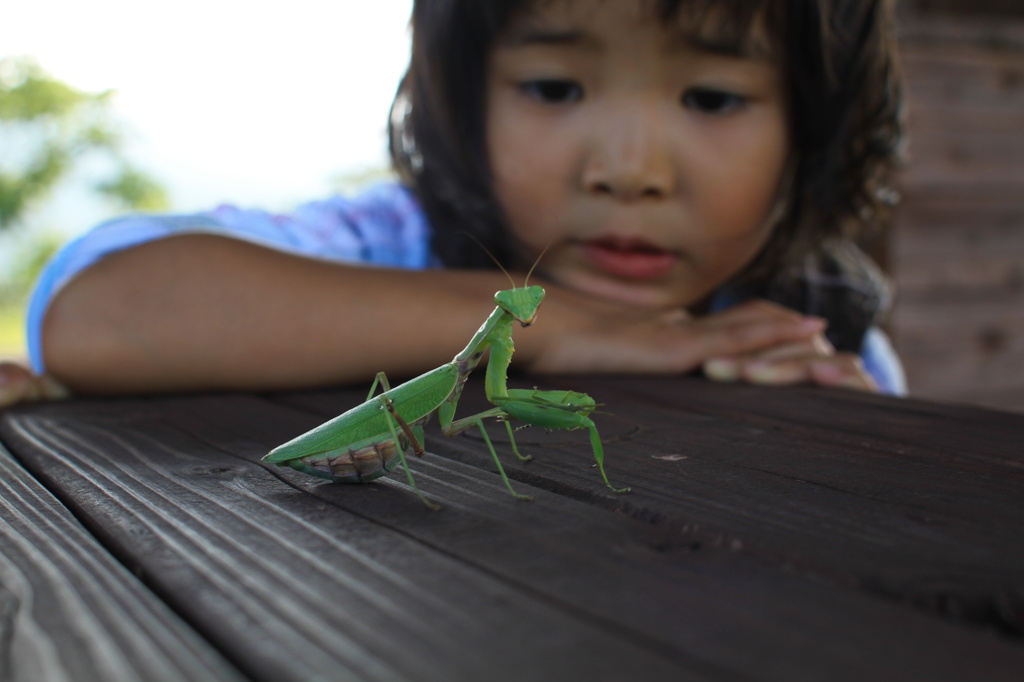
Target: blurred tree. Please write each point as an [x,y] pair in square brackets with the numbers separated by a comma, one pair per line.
[47,130]
[27,258]
[354,180]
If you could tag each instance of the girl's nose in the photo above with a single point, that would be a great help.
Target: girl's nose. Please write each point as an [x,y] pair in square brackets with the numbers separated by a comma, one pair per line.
[628,161]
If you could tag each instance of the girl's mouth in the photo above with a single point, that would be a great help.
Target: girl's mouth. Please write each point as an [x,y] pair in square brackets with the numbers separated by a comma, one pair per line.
[629,258]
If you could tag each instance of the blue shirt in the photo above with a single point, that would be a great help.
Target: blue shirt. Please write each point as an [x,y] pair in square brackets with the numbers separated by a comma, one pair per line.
[382,226]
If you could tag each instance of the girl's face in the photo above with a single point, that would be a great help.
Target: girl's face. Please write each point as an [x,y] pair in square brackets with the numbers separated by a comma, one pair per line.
[648,158]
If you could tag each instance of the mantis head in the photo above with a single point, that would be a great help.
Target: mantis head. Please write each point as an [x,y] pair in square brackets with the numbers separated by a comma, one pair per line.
[521,303]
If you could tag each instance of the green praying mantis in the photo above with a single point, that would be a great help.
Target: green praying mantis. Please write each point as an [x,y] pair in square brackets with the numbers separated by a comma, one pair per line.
[370,440]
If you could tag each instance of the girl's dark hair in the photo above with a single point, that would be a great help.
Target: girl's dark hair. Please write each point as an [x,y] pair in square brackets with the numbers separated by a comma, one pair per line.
[839,57]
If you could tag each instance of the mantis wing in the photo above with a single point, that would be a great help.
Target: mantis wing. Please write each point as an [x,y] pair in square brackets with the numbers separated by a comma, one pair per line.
[414,400]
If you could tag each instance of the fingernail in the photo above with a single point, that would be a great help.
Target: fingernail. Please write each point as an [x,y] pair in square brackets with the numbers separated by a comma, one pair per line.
[722,369]
[812,324]
[828,372]
[759,371]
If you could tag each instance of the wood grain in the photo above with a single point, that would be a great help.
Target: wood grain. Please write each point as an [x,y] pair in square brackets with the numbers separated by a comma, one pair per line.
[68,611]
[911,500]
[287,586]
[768,537]
[957,251]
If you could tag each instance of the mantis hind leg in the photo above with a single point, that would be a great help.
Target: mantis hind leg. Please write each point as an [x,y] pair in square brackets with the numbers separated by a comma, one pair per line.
[396,422]
[381,379]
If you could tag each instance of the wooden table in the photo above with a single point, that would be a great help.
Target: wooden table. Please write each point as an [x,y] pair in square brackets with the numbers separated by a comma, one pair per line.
[771,534]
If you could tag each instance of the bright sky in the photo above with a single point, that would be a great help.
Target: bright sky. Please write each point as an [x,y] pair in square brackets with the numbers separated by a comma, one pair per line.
[260,104]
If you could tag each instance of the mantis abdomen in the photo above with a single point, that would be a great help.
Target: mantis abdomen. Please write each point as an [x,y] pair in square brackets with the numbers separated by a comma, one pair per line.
[356,462]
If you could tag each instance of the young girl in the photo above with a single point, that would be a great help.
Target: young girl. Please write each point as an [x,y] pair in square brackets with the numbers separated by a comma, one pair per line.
[689,173]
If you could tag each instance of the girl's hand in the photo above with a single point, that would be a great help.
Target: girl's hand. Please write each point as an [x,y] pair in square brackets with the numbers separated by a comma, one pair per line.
[580,334]
[812,361]
[18,384]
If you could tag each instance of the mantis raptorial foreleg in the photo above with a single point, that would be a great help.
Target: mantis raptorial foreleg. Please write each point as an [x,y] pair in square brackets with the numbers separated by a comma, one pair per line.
[567,410]
[512,442]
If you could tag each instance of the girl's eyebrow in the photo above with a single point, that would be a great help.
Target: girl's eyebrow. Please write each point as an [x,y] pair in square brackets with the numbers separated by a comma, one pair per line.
[746,49]
[528,36]
[750,46]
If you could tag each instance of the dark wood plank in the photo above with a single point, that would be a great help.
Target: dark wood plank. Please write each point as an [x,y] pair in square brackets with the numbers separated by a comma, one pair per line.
[910,500]
[700,575]
[287,586]
[69,611]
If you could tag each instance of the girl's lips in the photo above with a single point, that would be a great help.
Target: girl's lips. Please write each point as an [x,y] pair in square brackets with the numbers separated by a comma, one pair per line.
[629,259]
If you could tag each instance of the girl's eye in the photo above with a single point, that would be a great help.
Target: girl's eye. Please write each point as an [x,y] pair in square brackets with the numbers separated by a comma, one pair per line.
[710,101]
[553,91]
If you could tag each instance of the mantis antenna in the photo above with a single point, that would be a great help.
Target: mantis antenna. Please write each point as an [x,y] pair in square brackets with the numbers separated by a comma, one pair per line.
[537,262]
[502,268]
[496,261]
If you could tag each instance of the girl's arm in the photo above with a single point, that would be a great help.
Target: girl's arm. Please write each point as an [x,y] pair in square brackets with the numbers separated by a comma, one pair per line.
[200,312]
[197,311]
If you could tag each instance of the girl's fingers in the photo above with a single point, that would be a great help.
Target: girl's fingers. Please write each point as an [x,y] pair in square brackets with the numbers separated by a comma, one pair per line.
[666,341]
[755,327]
[760,362]
[845,370]
[732,368]
[18,384]
[811,360]
[47,388]
[778,372]
[816,346]
[596,338]
[720,347]
[15,383]
[762,335]
[840,370]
